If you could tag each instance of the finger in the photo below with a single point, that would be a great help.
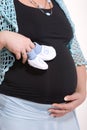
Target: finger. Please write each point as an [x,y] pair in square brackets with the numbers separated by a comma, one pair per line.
[71,97]
[18,56]
[52,111]
[31,44]
[24,56]
[28,49]
[58,106]
[57,115]
[65,106]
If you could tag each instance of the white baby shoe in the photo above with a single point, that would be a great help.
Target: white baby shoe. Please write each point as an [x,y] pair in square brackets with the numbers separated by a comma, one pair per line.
[47,53]
[38,63]
[40,54]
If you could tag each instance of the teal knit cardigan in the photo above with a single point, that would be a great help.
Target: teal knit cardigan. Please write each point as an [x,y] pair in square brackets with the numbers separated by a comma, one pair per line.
[8,21]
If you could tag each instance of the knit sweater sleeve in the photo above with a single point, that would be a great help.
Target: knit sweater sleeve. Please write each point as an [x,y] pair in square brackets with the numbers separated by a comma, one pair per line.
[7,22]
[76,52]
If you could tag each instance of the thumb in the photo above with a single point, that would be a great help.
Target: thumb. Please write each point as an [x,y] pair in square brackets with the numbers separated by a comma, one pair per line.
[72,97]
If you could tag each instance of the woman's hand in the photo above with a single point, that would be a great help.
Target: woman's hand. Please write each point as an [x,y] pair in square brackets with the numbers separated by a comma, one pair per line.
[73,101]
[16,43]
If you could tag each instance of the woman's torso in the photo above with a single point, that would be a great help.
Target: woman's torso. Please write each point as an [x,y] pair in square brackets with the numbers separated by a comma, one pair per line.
[60,79]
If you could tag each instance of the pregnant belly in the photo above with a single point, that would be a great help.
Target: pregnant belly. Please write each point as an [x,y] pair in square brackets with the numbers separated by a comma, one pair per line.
[63,76]
[58,81]
[44,86]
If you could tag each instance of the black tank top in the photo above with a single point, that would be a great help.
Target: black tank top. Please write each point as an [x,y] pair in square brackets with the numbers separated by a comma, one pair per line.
[60,79]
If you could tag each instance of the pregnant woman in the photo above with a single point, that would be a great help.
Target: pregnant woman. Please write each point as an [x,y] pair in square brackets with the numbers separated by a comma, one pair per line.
[30,98]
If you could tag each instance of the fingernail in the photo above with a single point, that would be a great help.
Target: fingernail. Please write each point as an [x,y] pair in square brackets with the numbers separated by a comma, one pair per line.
[50,110]
[51,115]
[66,99]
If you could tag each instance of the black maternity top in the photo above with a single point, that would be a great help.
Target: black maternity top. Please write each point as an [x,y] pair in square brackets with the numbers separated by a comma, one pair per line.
[43,86]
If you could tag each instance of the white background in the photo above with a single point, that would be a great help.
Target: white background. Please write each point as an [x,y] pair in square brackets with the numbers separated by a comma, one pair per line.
[78,12]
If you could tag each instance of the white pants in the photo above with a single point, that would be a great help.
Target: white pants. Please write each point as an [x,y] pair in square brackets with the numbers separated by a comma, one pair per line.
[19,114]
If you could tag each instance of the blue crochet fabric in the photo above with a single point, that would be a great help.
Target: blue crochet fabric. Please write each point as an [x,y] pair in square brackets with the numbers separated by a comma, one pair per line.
[6,60]
[8,22]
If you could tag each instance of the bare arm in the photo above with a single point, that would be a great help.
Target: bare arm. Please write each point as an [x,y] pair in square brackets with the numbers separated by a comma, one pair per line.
[16,43]
[81,84]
